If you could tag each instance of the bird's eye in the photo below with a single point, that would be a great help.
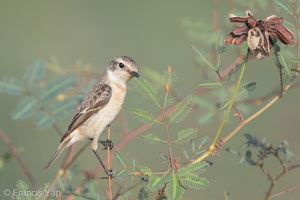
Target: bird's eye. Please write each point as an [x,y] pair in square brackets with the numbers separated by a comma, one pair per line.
[121,65]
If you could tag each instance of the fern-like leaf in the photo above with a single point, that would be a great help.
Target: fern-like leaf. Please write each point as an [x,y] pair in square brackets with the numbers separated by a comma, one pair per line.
[192,181]
[204,57]
[120,158]
[202,141]
[56,87]
[170,77]
[232,72]
[220,48]
[145,117]
[156,182]
[145,170]
[120,173]
[43,120]
[25,108]
[57,111]
[186,135]
[247,89]
[210,84]
[35,72]
[152,139]
[155,77]
[283,6]
[195,168]
[174,190]
[143,194]
[11,86]
[62,108]
[147,89]
[206,117]
[181,111]
[22,187]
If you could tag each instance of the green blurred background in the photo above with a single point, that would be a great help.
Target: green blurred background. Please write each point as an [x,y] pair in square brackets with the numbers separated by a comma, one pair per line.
[153,33]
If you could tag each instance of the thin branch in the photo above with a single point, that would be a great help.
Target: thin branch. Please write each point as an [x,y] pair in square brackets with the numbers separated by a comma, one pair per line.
[169,141]
[285,191]
[23,165]
[108,165]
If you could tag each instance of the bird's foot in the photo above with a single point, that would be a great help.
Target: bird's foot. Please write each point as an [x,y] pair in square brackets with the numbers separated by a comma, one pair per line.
[106,143]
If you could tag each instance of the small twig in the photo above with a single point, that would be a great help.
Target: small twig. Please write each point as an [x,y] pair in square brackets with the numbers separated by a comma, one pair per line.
[108,165]
[228,93]
[169,141]
[285,191]
[23,165]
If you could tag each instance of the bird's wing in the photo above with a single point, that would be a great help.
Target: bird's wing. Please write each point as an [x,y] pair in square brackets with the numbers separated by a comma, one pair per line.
[94,101]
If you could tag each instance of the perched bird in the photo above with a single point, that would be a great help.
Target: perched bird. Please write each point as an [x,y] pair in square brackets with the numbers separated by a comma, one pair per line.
[100,107]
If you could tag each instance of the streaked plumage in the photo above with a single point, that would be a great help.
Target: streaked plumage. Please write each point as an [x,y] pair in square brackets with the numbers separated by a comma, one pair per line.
[101,105]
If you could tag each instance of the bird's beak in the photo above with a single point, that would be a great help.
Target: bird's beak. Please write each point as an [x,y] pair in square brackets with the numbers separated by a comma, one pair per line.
[135,74]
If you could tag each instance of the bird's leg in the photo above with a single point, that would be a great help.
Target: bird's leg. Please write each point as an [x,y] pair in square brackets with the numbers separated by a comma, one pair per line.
[108,172]
[105,143]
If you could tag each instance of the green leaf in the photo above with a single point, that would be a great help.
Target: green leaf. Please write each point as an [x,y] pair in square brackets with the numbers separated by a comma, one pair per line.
[202,141]
[181,111]
[152,139]
[225,104]
[145,117]
[204,103]
[156,182]
[56,87]
[221,48]
[21,185]
[285,63]
[169,77]
[210,84]
[146,88]
[25,108]
[11,86]
[35,72]
[234,71]
[185,154]
[295,61]
[121,173]
[174,190]
[284,6]
[143,194]
[62,108]
[43,120]
[226,195]
[57,110]
[206,117]
[120,158]
[247,89]
[195,168]
[186,135]
[204,57]
[144,169]
[192,181]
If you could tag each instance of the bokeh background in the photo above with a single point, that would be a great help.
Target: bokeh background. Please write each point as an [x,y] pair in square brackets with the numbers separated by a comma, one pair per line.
[155,34]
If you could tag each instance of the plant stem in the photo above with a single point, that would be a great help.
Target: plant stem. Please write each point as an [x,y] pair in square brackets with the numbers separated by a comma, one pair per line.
[212,146]
[23,165]
[108,165]
[169,140]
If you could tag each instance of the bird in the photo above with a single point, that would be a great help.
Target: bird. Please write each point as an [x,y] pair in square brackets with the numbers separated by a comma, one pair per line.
[100,106]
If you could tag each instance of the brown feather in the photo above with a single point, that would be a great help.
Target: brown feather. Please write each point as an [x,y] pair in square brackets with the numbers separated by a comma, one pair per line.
[96,100]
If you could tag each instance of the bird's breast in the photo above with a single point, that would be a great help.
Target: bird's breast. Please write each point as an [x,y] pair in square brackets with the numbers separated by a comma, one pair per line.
[94,126]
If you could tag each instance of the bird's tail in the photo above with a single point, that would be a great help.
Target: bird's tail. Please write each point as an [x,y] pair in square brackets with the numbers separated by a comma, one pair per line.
[64,144]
